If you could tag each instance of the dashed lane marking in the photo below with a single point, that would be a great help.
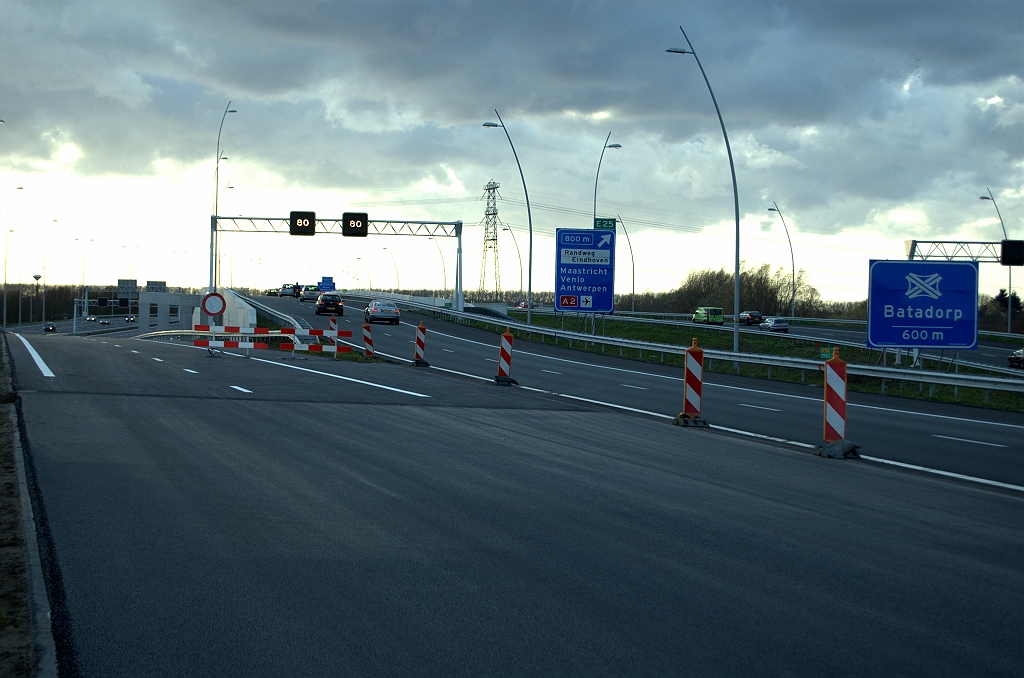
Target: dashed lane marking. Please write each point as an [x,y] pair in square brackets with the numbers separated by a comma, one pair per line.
[758,407]
[965,440]
[243,390]
[639,388]
[189,371]
[447,350]
[550,371]
[134,351]
[159,360]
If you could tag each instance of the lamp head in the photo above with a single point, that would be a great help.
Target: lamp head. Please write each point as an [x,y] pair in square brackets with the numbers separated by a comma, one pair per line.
[984,197]
[614,146]
[232,111]
[491,124]
[678,50]
[772,209]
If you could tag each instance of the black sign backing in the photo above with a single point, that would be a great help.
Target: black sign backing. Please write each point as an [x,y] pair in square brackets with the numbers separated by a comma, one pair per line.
[355,224]
[302,223]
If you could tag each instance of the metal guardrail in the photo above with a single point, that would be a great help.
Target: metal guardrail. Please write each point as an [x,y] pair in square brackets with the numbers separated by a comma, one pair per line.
[1010,384]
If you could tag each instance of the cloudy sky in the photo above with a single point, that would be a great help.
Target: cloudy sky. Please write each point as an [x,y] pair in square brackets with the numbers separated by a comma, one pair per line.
[869,122]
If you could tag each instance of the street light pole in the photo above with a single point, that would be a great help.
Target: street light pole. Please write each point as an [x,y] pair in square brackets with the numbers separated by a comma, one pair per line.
[369,278]
[398,281]
[792,298]
[606,146]
[631,259]
[216,202]
[1009,269]
[520,260]
[529,217]
[444,269]
[735,190]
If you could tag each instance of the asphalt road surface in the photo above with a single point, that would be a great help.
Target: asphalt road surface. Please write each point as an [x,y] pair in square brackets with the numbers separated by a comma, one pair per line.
[245,517]
[965,440]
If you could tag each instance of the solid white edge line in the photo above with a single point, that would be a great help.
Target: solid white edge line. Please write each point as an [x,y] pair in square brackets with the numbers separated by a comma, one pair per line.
[950,474]
[966,440]
[338,376]
[618,407]
[40,363]
[464,374]
[761,436]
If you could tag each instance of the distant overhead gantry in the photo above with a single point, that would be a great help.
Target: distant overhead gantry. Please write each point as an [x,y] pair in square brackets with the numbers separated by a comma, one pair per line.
[953,250]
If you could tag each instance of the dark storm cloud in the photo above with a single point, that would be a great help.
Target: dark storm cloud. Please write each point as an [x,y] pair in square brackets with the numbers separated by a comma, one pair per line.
[398,85]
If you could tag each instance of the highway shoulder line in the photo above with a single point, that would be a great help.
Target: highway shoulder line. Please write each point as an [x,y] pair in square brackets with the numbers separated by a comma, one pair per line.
[949,474]
[40,363]
[338,376]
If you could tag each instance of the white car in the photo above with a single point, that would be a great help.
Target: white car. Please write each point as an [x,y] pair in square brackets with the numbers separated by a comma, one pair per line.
[91,319]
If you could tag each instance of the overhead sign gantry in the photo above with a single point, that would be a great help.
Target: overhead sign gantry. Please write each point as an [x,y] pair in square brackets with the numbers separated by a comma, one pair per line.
[351,224]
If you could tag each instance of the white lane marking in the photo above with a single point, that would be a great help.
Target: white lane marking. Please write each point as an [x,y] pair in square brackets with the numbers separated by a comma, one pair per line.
[618,407]
[949,474]
[243,390]
[386,334]
[937,416]
[490,360]
[338,376]
[758,407]
[639,388]
[189,371]
[159,360]
[447,350]
[103,342]
[965,440]
[348,321]
[40,363]
[761,436]
[134,351]
[463,374]
[550,371]
[117,345]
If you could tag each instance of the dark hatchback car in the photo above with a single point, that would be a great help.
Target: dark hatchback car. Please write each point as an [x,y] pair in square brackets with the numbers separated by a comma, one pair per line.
[751,317]
[49,327]
[330,303]
[381,311]
[1016,359]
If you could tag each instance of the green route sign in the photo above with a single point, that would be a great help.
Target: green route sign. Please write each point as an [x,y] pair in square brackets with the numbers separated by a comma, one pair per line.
[605,223]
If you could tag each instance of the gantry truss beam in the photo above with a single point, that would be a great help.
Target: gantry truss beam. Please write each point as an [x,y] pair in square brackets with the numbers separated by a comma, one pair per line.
[450,229]
[953,250]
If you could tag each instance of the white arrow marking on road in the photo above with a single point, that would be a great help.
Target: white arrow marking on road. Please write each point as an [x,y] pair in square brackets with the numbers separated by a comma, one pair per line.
[243,390]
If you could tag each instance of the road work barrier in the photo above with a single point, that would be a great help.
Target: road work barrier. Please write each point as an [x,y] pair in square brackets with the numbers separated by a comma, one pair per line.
[693,386]
[206,343]
[316,348]
[505,360]
[230,329]
[835,398]
[367,341]
[300,332]
[421,346]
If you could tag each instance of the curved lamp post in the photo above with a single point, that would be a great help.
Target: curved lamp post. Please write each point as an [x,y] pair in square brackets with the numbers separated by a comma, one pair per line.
[631,260]
[216,202]
[1009,269]
[520,260]
[369,278]
[735,191]
[792,260]
[398,281]
[7,233]
[606,146]
[529,218]
[444,269]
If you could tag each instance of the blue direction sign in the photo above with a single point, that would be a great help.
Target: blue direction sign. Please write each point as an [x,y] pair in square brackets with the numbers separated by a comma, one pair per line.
[326,284]
[923,304]
[585,270]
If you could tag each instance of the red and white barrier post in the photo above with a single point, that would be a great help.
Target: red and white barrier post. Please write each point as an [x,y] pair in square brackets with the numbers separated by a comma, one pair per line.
[505,360]
[367,341]
[421,346]
[835,398]
[692,388]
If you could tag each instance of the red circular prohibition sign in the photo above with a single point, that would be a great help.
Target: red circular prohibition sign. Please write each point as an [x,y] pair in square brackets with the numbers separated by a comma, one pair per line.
[214,304]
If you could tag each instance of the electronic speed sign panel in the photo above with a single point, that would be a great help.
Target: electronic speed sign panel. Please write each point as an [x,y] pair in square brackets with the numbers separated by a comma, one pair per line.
[585,270]
[355,224]
[302,223]
[923,304]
